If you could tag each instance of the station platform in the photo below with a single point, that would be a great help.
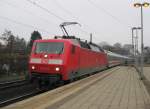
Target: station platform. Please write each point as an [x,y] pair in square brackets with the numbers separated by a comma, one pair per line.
[120,89]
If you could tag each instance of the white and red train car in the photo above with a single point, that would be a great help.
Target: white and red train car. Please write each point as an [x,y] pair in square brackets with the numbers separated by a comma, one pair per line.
[115,59]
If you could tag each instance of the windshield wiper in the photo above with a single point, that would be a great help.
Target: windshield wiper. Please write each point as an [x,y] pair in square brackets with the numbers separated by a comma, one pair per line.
[60,51]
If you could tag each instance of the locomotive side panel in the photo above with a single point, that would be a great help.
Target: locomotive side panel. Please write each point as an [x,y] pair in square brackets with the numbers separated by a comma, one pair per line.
[72,61]
[91,61]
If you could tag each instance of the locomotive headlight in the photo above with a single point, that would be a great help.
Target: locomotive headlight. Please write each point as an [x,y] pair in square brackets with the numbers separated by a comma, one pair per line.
[45,56]
[57,68]
[33,67]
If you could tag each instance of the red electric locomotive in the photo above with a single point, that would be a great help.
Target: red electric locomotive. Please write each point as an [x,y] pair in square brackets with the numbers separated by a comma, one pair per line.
[65,59]
[53,60]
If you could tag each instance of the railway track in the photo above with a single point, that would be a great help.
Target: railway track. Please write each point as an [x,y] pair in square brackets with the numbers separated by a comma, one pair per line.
[17,93]
[19,98]
[13,91]
[11,84]
[20,93]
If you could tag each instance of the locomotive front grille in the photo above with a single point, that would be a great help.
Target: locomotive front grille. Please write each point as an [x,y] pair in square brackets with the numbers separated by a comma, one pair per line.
[46,77]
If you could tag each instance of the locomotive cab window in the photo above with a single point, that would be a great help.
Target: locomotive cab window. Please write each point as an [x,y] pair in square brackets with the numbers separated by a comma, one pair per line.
[49,47]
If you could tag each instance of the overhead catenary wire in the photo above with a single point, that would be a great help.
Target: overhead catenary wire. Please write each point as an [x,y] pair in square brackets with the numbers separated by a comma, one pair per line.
[28,12]
[23,24]
[108,13]
[31,13]
[46,10]
[51,13]
[64,9]
[74,16]
[71,14]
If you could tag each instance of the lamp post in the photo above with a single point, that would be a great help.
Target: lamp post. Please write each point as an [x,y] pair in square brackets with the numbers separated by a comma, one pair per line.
[141,5]
[136,42]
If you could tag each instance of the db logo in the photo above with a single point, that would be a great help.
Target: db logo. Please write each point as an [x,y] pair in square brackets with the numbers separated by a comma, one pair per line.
[44,61]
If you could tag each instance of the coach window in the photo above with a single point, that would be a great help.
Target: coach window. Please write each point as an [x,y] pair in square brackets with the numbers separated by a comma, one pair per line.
[73,49]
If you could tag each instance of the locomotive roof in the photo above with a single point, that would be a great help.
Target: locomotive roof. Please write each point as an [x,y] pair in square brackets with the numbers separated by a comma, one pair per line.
[75,41]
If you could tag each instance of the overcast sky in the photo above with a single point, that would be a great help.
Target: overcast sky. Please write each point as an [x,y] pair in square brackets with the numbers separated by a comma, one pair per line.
[108,20]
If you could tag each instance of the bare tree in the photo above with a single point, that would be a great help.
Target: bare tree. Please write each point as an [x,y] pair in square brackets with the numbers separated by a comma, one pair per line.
[117,45]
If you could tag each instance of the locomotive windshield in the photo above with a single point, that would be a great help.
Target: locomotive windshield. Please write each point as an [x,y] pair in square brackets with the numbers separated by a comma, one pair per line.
[49,47]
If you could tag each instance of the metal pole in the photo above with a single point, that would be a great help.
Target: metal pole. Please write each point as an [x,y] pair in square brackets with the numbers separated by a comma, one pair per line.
[142,45]
[136,42]
[91,37]
[132,42]
[135,46]
[136,49]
